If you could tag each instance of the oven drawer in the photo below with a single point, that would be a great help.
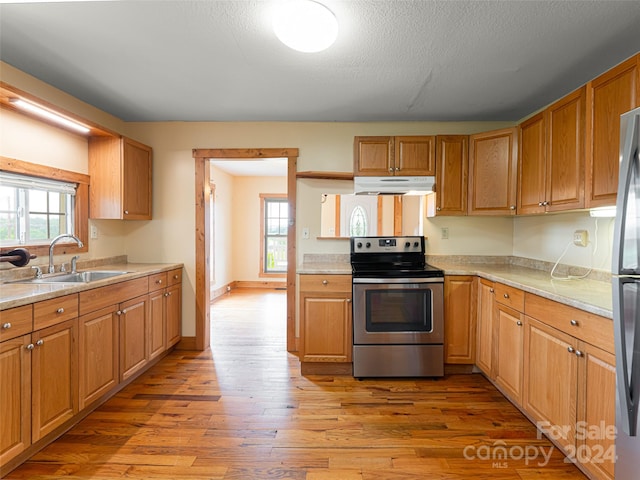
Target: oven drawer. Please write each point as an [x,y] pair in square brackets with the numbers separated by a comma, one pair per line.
[325,283]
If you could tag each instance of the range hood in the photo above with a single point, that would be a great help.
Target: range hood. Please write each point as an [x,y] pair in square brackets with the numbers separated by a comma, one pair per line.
[393,185]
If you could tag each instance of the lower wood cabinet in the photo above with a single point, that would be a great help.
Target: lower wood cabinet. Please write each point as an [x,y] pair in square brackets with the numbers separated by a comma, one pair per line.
[325,318]
[99,340]
[63,355]
[484,327]
[460,300]
[509,336]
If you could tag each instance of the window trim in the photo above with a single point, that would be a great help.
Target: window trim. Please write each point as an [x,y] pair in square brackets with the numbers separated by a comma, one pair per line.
[263,198]
[81,208]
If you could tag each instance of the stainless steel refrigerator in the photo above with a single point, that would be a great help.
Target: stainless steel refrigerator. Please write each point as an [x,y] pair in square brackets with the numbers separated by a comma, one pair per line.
[626,299]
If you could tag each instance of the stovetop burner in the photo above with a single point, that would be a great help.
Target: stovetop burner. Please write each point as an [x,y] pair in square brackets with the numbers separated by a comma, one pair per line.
[390,257]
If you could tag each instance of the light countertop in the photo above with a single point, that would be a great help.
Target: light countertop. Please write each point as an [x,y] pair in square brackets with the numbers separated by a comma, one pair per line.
[593,296]
[17,294]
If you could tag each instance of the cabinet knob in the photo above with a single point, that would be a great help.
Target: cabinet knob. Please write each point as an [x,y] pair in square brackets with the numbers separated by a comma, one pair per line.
[60,310]
[540,204]
[158,282]
[348,300]
[397,169]
[175,277]
[119,312]
[512,207]
[325,282]
[30,346]
[570,349]
[519,323]
[574,323]
[579,353]
[126,212]
[506,295]
[390,169]
[438,209]
[545,203]
[491,290]
[6,326]
[40,342]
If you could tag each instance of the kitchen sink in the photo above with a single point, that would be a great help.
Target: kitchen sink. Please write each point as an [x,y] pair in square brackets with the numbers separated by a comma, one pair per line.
[77,277]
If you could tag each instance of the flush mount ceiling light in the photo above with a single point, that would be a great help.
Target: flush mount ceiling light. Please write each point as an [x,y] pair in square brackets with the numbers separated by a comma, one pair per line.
[305,26]
[49,115]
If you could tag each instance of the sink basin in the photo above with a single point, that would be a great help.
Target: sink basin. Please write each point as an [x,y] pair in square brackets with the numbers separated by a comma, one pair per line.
[78,277]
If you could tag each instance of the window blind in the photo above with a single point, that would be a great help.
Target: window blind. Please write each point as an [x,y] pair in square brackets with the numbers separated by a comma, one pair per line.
[35,183]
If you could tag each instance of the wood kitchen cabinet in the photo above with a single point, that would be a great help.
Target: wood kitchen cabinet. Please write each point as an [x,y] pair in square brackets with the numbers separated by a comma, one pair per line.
[98,365]
[452,169]
[165,310]
[134,337]
[484,327]
[532,165]
[325,319]
[460,300]
[120,171]
[569,381]
[384,156]
[493,170]
[565,162]
[173,308]
[509,337]
[608,96]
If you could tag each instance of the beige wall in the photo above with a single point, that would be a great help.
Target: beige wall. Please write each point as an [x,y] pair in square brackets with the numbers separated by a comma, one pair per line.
[170,236]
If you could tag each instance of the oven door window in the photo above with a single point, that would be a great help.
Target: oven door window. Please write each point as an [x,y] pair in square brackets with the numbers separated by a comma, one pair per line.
[398,310]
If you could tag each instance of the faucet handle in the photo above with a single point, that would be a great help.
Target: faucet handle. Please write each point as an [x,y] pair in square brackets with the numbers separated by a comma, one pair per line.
[63,267]
[38,271]
[74,263]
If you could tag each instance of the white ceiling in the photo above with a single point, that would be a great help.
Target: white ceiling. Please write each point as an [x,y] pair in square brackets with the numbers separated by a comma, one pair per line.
[394,60]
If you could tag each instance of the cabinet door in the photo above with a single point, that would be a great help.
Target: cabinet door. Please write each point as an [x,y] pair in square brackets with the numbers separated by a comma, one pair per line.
[509,351]
[326,328]
[596,410]
[133,336]
[460,300]
[373,156]
[173,312]
[484,345]
[136,175]
[565,152]
[493,172]
[608,97]
[54,377]
[15,397]
[550,380]
[98,357]
[157,318]
[532,165]
[415,155]
[451,174]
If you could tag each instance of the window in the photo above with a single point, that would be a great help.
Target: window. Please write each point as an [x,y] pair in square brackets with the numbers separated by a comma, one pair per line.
[38,203]
[358,222]
[275,225]
[34,210]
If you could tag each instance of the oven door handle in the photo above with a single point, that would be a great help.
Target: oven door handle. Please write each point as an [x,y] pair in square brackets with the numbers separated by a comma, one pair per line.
[404,280]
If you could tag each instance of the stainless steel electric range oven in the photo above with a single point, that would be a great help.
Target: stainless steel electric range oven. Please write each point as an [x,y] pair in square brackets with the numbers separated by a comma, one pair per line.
[398,312]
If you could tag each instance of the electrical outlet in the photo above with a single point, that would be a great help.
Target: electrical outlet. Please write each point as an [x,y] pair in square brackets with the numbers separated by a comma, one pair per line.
[580,238]
[445,233]
[94,232]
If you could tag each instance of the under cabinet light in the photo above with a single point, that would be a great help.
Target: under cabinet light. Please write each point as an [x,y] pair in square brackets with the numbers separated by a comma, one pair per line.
[49,115]
[600,212]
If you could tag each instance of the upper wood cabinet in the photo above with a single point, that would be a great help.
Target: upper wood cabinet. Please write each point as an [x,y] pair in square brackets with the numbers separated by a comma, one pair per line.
[384,156]
[493,172]
[532,168]
[608,96]
[565,124]
[120,171]
[452,169]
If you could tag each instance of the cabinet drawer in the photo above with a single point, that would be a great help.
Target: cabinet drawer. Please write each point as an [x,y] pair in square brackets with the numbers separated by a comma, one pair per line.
[585,326]
[54,311]
[15,322]
[174,276]
[97,298]
[509,296]
[325,283]
[157,281]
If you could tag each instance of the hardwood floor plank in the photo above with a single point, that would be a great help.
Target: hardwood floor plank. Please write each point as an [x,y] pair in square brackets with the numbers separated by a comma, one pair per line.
[243,411]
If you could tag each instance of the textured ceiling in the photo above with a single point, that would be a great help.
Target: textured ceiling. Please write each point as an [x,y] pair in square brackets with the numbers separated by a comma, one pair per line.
[394,60]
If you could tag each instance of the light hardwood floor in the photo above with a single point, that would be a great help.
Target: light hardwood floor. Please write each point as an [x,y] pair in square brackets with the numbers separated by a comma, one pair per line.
[243,411]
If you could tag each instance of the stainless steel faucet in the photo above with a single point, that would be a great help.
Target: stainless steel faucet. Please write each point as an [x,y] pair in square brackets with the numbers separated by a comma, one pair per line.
[52,269]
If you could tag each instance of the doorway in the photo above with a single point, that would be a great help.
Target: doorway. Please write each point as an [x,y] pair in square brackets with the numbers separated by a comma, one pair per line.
[203,234]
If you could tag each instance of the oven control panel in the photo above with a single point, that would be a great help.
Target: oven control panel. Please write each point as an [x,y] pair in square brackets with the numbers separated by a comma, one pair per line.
[408,244]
